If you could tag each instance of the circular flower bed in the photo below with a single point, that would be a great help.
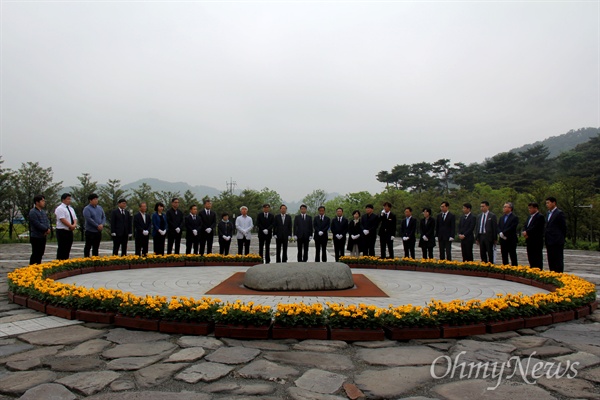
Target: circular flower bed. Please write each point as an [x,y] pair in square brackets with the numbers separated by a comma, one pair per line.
[569,297]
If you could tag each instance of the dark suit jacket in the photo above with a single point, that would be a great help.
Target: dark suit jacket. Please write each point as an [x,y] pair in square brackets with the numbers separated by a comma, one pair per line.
[119,223]
[208,221]
[225,229]
[191,224]
[321,225]
[387,227]
[508,228]
[303,228]
[339,228]
[158,222]
[369,223]
[445,228]
[174,219]
[535,230]
[408,231]
[556,228]
[139,225]
[491,228]
[263,223]
[466,226]
[427,229]
[282,228]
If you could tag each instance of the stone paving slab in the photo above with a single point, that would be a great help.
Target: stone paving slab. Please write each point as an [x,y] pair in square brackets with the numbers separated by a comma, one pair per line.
[89,383]
[65,335]
[477,389]
[48,391]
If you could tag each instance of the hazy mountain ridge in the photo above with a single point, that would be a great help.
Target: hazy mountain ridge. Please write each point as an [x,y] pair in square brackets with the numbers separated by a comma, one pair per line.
[562,143]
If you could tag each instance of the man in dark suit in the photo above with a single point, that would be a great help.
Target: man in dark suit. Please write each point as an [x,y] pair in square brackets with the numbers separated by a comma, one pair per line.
[369,222]
[209,223]
[507,230]
[120,227]
[387,230]
[142,224]
[193,227]
[303,231]
[556,231]
[282,232]
[339,229]
[408,231]
[445,231]
[264,224]
[321,225]
[174,226]
[466,229]
[487,232]
[533,232]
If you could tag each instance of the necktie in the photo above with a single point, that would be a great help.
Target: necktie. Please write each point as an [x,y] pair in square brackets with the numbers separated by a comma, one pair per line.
[303,217]
[443,216]
[549,215]
[266,215]
[70,215]
[407,220]
[340,220]
[483,220]
[194,217]
[528,222]
[144,217]
[321,218]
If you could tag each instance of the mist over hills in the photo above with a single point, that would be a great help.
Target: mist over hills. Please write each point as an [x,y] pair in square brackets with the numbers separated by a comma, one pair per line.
[562,143]
[555,144]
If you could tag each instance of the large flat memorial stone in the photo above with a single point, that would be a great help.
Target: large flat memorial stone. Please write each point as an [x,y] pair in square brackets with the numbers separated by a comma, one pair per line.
[299,276]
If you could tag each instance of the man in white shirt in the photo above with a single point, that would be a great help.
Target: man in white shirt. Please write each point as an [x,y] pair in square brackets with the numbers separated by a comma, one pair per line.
[66,223]
[244,225]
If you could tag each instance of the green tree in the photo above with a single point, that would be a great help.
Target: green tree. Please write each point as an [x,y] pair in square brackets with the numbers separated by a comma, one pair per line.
[109,196]
[29,180]
[188,200]
[314,200]
[143,193]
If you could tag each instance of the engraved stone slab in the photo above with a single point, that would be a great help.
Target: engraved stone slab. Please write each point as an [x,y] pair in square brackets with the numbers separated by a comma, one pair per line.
[299,276]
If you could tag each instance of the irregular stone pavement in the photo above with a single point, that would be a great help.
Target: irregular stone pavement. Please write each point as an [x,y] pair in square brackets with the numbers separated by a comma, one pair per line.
[105,362]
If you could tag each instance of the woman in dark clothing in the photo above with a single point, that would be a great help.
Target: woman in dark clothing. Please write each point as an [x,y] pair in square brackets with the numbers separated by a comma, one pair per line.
[355,245]
[159,229]
[225,230]
[427,241]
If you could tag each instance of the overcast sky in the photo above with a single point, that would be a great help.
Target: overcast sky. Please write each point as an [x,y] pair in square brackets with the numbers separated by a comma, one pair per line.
[293,96]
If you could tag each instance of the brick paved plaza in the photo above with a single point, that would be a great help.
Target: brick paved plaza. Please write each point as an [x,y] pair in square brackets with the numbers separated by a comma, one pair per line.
[42,357]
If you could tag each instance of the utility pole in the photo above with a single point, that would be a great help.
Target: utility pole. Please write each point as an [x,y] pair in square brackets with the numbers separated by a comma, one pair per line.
[230,185]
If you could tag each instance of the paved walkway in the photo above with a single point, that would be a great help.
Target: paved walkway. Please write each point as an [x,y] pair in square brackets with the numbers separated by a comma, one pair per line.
[402,287]
[71,360]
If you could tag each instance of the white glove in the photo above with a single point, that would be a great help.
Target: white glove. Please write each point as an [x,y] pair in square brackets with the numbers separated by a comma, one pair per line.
[208,230]
[502,236]
[295,237]
[275,236]
[451,239]
[310,238]
[289,237]
[320,233]
[265,231]
[425,238]
[113,234]
[163,232]
[392,238]
[130,235]
[366,232]
[354,237]
[177,230]
[195,232]
[338,236]
[405,238]
[145,233]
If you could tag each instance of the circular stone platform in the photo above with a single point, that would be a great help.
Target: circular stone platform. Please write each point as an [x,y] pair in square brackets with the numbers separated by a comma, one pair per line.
[299,276]
[402,287]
